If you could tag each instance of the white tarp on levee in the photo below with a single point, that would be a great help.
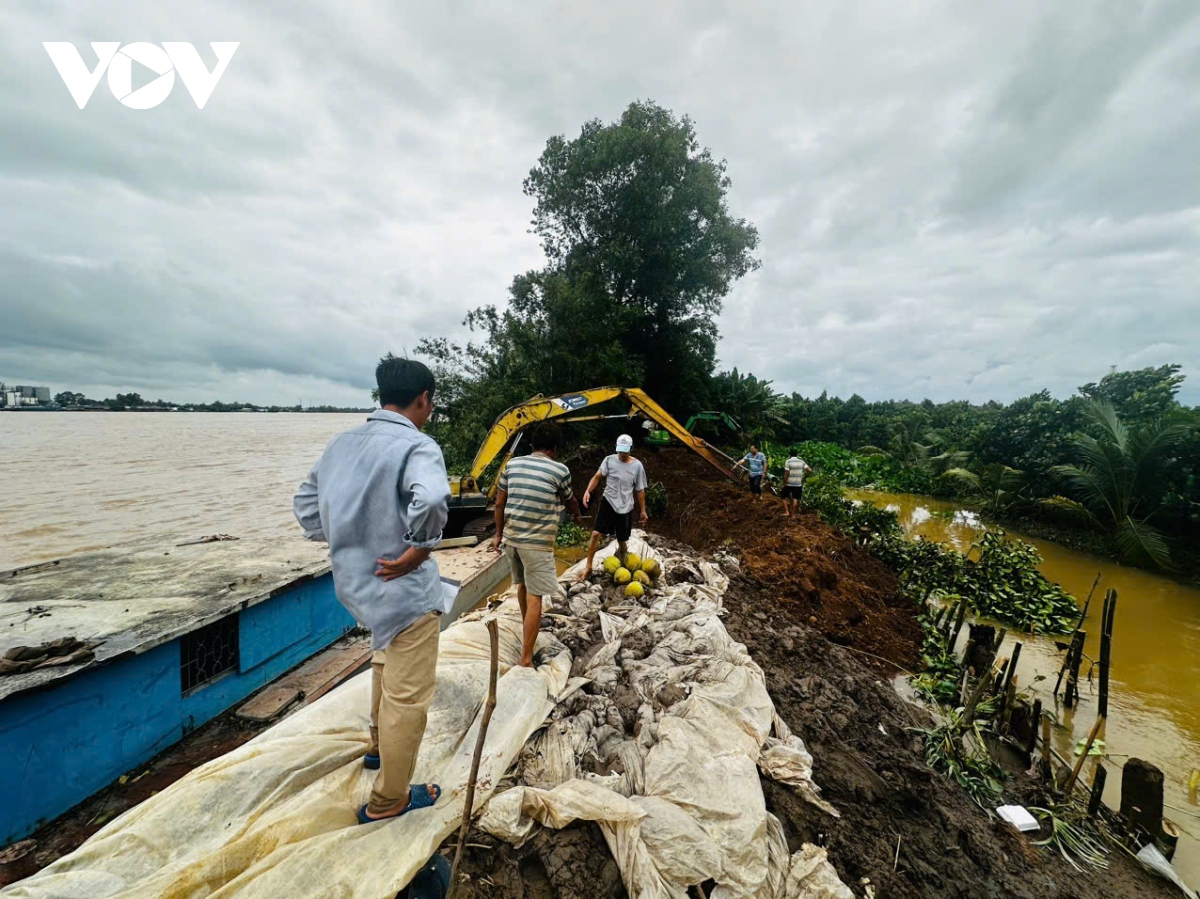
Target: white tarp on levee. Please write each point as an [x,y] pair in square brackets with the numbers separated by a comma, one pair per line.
[275,817]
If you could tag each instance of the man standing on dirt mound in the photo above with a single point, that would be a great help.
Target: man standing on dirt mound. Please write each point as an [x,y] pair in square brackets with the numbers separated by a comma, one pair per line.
[624,482]
[529,501]
[756,465]
[794,471]
[379,497]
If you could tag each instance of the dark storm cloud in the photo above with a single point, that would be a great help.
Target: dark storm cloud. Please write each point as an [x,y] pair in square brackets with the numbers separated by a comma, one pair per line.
[954,200]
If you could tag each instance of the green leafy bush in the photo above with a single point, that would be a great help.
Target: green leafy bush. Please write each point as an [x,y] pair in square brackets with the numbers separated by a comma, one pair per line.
[571,534]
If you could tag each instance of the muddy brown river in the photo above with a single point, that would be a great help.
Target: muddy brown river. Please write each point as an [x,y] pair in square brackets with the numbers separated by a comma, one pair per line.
[1154,707]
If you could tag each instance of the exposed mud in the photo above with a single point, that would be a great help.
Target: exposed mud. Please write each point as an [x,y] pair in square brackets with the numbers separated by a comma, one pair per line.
[815,574]
[572,863]
[910,831]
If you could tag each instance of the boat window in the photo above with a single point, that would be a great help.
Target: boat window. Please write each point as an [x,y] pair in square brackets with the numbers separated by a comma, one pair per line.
[208,653]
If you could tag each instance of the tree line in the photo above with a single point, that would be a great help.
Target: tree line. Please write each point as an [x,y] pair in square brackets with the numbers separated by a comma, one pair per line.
[134,402]
[641,248]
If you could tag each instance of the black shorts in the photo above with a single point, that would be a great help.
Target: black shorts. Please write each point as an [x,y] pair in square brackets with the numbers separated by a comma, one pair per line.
[756,484]
[795,492]
[610,521]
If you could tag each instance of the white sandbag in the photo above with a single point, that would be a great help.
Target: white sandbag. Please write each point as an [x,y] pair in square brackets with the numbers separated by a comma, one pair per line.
[704,813]
[812,877]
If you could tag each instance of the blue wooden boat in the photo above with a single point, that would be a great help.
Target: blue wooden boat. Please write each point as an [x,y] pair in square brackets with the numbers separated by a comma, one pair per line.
[182,632]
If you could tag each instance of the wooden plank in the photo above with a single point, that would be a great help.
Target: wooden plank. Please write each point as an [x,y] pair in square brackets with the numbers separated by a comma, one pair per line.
[268,703]
[313,679]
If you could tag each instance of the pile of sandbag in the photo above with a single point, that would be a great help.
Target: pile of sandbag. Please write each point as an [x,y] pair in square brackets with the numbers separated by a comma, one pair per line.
[659,736]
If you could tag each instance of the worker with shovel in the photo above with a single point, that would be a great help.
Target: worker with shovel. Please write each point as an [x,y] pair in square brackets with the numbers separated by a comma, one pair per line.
[529,500]
[624,483]
[379,497]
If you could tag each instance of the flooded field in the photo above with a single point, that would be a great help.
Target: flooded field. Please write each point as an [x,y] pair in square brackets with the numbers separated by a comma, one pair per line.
[1155,704]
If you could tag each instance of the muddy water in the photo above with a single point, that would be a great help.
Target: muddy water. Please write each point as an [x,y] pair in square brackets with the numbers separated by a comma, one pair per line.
[1154,709]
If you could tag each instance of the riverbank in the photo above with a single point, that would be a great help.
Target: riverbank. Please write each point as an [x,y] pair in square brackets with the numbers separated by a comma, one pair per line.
[824,619]
[1154,714]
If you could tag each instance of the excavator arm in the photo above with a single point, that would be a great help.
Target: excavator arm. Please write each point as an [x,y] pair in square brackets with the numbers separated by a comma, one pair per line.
[657,413]
[568,406]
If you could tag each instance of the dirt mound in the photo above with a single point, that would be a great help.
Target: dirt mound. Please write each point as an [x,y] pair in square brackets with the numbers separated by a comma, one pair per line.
[816,575]
[910,831]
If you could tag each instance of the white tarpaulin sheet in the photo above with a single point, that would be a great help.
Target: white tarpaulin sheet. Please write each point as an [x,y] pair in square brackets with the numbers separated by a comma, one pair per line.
[687,806]
[276,817]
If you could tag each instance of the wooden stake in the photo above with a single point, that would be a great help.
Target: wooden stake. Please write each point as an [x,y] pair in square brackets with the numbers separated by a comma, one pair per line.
[984,677]
[1106,638]
[1034,720]
[488,706]
[1078,624]
[1071,696]
[958,623]
[1097,791]
[1083,614]
[1047,749]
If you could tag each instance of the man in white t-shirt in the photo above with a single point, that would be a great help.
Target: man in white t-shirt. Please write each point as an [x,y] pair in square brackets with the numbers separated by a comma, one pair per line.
[794,471]
[624,485]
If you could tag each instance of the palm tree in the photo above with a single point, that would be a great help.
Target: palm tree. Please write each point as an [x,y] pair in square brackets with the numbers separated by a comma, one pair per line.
[999,484]
[905,445]
[1114,483]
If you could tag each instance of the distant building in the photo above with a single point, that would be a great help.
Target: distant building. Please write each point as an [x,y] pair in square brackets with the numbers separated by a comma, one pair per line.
[23,395]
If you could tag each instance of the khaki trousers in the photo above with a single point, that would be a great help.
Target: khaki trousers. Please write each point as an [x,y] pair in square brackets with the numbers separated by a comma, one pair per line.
[403,678]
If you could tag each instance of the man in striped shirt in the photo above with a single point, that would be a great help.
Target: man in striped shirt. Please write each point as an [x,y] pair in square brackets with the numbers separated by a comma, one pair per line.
[532,492]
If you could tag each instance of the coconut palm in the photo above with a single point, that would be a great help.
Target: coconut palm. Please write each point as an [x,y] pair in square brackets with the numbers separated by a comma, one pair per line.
[912,443]
[1113,486]
[999,485]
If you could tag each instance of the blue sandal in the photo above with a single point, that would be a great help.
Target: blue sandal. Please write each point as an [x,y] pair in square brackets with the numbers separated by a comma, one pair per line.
[371,761]
[419,797]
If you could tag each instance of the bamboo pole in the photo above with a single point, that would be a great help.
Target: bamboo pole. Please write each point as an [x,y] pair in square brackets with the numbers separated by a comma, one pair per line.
[1087,747]
[1006,688]
[1087,604]
[488,706]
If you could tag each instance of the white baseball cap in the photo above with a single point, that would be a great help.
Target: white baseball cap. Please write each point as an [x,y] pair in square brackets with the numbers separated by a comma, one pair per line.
[624,443]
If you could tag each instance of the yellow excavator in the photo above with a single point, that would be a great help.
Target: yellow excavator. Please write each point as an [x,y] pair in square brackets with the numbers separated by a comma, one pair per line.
[470,503]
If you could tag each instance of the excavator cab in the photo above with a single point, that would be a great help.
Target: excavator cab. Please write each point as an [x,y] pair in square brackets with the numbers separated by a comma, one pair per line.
[662,437]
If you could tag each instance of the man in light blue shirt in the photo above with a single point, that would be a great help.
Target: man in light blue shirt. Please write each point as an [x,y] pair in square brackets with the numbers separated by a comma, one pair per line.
[756,465]
[379,497]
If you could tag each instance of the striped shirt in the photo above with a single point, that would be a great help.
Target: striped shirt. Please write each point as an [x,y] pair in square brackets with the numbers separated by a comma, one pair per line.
[537,488]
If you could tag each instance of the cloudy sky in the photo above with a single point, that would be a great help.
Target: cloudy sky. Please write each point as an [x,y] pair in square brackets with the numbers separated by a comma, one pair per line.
[956,200]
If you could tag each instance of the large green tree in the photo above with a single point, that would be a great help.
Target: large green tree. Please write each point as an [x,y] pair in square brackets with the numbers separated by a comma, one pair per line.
[641,249]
